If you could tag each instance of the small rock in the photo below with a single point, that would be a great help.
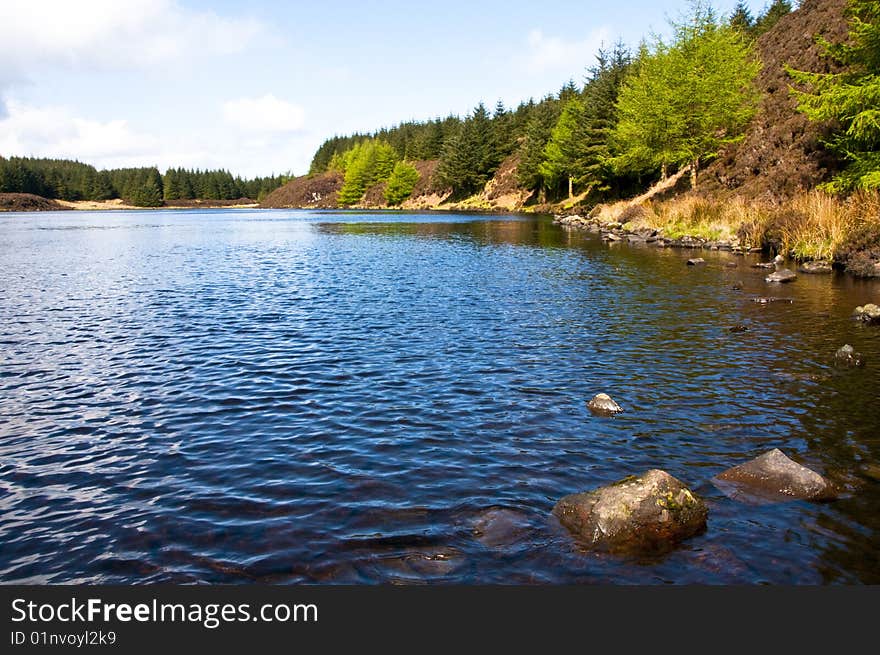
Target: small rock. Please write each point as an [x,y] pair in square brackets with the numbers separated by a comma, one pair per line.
[871,471]
[764,265]
[731,264]
[696,261]
[603,405]
[779,260]
[610,236]
[768,299]
[772,477]
[816,267]
[737,286]
[847,356]
[738,328]
[639,513]
[781,276]
[869,313]
[499,527]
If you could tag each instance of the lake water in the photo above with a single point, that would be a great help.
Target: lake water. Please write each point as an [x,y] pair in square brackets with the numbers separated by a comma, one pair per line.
[286,396]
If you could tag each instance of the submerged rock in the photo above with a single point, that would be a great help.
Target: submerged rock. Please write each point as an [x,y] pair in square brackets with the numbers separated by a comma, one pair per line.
[647,512]
[696,261]
[739,327]
[870,471]
[773,477]
[816,267]
[847,356]
[869,313]
[731,264]
[604,405]
[499,527]
[764,265]
[782,275]
[764,300]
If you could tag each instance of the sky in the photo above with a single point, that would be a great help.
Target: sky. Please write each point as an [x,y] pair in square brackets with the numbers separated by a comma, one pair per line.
[255,87]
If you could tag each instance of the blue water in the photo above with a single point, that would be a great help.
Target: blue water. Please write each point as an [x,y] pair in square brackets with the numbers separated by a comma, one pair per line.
[284,396]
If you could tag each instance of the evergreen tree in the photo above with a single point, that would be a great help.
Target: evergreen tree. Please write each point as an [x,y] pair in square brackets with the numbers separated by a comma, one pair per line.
[850,99]
[771,16]
[366,164]
[537,134]
[401,183]
[563,154]
[469,156]
[741,18]
[600,115]
[689,99]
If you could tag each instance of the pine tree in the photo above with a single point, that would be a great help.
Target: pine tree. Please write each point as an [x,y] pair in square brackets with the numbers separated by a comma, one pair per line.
[600,116]
[537,133]
[741,18]
[851,98]
[469,156]
[400,185]
[771,16]
[689,99]
[563,154]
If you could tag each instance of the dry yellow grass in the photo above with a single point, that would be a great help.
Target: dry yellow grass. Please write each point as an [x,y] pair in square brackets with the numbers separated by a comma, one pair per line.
[814,225]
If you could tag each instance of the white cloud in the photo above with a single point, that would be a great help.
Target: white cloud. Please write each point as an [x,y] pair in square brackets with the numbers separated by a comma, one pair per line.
[264,115]
[57,132]
[111,34]
[551,53]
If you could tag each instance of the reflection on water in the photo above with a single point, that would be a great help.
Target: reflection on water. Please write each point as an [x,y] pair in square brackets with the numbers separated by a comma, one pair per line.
[285,396]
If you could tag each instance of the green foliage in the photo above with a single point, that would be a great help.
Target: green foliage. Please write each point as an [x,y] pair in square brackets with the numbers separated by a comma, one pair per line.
[563,154]
[469,156]
[365,164]
[850,99]
[538,130]
[72,180]
[770,16]
[687,99]
[741,19]
[400,185]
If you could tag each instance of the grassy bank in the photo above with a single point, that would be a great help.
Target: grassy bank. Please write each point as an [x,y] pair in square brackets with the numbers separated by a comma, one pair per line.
[810,226]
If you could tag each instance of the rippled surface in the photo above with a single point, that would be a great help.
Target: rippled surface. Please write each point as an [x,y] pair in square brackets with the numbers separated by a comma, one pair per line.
[282,396]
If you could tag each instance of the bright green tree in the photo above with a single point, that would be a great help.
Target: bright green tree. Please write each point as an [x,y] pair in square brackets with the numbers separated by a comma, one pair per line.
[563,154]
[367,163]
[689,99]
[400,185]
[851,98]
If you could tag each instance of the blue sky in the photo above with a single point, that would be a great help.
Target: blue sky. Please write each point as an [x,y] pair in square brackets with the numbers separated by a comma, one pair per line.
[255,87]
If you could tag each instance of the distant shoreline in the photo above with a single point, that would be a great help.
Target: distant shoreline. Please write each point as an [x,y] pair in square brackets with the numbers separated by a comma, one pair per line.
[26,202]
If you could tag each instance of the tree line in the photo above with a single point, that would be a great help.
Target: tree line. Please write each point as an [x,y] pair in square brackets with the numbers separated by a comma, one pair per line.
[637,116]
[144,187]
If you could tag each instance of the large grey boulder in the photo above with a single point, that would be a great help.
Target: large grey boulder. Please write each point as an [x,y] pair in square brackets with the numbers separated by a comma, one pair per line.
[604,405]
[781,276]
[773,477]
[639,513]
[869,313]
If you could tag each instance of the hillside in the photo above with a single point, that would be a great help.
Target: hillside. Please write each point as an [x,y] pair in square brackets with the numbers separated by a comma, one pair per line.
[781,154]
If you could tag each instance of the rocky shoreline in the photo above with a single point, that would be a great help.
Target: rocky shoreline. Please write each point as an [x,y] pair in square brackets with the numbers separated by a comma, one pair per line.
[617,232]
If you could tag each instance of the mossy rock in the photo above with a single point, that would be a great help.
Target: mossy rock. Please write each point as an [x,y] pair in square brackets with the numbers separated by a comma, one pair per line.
[644,513]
